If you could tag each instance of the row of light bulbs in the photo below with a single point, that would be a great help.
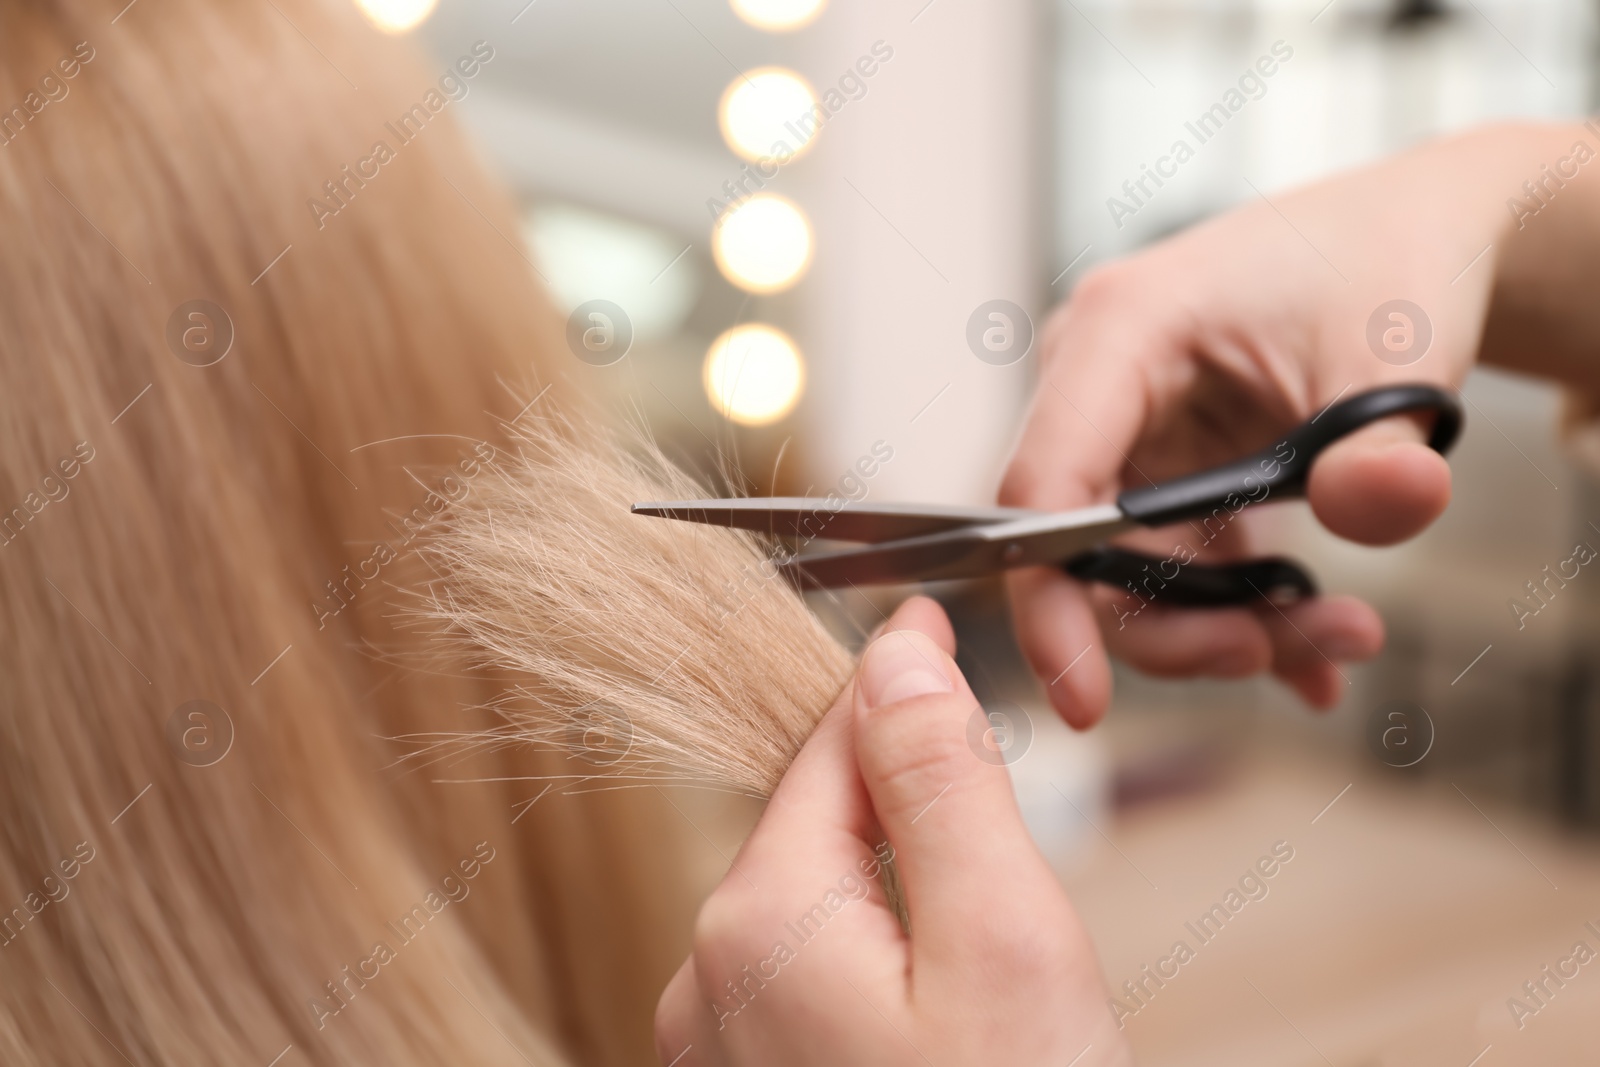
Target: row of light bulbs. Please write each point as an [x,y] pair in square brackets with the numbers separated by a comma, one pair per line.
[754,373]
[775,16]
[397,16]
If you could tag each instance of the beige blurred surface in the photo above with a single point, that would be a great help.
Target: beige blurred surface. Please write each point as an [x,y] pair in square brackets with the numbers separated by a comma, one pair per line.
[1395,935]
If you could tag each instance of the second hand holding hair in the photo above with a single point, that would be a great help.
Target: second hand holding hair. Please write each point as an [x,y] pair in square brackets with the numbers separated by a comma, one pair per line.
[996,967]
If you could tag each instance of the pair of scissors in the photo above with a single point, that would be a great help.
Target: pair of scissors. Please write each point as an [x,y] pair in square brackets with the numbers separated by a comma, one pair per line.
[908,543]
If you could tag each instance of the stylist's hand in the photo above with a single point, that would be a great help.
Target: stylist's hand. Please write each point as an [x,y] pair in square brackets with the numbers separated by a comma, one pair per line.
[798,958]
[1210,345]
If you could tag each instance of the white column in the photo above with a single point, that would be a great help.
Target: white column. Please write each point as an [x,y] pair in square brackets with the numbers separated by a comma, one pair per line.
[923,194]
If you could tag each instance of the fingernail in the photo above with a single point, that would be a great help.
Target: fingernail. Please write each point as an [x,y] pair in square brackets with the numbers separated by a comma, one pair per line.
[899,666]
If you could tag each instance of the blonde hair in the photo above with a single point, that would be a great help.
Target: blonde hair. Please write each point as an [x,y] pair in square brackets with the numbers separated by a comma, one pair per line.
[660,649]
[231,534]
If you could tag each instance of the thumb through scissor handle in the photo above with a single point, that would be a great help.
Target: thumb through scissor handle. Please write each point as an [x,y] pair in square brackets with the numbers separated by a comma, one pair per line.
[1280,472]
[1276,473]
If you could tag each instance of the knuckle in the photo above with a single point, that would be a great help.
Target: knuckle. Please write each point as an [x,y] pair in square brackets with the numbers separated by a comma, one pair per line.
[675,1019]
[1022,484]
[669,1029]
[724,931]
[1103,287]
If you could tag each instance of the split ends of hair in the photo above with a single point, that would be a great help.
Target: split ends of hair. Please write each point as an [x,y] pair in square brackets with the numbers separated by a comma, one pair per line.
[644,649]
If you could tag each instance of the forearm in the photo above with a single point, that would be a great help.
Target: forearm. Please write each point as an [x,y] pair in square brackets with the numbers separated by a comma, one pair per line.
[1544,315]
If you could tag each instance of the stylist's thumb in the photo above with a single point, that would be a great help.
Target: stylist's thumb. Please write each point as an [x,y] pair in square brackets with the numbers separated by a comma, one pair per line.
[942,796]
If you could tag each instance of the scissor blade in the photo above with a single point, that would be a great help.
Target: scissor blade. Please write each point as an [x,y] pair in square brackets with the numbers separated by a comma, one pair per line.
[831,518]
[968,552]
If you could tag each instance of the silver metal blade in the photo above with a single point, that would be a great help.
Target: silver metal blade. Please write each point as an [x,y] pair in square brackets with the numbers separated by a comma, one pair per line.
[968,552]
[814,517]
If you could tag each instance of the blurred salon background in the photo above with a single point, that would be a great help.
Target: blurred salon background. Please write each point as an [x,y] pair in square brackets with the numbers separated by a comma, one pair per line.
[775,223]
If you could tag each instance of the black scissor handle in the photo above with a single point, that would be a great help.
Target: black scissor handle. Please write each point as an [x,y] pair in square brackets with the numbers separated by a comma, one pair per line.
[1279,472]
[1193,585]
